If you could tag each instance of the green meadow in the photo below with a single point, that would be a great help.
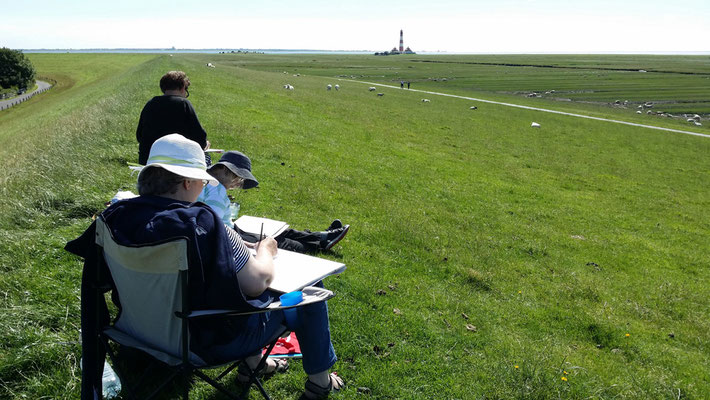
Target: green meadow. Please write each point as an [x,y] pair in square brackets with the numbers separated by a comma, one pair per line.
[486,259]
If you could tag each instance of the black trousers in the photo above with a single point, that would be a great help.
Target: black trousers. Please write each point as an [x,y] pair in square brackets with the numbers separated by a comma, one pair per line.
[292,240]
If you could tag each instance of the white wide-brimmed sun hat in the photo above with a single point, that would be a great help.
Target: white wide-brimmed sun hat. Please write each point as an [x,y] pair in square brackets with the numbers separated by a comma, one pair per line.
[180,156]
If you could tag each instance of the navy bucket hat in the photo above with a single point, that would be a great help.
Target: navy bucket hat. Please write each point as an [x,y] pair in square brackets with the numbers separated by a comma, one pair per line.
[240,165]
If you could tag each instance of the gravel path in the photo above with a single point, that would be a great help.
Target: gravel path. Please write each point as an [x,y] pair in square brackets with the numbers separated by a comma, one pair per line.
[537,109]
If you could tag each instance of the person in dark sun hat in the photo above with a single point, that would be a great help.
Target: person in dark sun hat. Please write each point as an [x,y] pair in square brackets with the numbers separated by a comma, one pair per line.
[233,171]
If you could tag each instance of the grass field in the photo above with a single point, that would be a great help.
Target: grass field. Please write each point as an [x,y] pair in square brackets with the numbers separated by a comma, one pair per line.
[578,251]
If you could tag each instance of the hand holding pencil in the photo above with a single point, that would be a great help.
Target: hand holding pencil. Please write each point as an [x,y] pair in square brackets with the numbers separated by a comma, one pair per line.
[266,243]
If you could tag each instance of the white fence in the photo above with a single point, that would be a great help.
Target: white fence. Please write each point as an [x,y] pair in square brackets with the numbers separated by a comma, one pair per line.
[23,97]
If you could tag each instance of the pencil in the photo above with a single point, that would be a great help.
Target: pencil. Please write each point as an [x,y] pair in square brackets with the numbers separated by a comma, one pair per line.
[261,236]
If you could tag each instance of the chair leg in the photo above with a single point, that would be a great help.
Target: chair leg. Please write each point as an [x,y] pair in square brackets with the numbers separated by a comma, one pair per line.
[186,382]
[216,385]
[254,379]
[227,371]
[162,385]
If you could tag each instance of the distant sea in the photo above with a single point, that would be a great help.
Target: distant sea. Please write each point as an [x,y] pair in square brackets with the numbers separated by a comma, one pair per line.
[213,51]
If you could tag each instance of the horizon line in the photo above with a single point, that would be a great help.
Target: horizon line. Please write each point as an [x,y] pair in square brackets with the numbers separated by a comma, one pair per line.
[620,52]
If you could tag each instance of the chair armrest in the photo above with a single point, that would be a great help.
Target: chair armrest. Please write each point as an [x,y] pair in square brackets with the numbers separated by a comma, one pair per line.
[311,294]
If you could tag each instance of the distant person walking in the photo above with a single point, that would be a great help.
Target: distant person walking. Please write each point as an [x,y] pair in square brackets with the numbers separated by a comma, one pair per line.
[401,84]
[170,113]
[408,82]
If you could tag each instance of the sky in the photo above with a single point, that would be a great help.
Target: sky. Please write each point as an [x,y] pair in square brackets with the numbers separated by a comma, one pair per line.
[456,26]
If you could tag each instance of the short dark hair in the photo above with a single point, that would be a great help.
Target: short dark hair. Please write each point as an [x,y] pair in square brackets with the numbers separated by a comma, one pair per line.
[158,181]
[221,167]
[174,80]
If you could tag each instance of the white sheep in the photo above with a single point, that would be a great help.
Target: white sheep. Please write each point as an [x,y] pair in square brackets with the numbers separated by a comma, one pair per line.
[696,117]
[697,123]
[337,87]
[639,112]
[329,87]
[425,100]
[473,108]
[372,88]
[534,125]
[288,87]
[690,120]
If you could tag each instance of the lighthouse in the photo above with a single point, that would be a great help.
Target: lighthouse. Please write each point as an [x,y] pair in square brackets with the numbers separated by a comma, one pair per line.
[401,40]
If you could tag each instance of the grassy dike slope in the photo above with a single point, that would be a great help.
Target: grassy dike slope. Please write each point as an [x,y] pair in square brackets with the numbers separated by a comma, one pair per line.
[554,243]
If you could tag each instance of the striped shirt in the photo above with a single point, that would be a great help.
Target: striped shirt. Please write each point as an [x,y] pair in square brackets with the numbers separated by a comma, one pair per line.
[240,252]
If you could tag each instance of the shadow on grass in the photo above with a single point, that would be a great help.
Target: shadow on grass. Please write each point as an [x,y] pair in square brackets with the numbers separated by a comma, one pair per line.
[134,365]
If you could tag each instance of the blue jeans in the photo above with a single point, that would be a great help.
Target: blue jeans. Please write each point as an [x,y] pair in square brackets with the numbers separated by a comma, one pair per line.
[313,335]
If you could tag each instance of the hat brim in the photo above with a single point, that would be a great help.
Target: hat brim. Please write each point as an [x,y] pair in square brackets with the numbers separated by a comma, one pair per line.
[249,179]
[187,172]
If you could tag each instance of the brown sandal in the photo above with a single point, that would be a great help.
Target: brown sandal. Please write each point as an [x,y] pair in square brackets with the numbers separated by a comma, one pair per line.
[244,373]
[314,391]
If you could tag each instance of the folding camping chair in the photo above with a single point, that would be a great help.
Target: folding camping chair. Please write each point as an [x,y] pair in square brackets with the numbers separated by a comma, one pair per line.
[151,281]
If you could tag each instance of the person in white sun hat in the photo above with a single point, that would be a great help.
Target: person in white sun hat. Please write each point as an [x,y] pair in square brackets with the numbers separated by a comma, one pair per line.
[223,274]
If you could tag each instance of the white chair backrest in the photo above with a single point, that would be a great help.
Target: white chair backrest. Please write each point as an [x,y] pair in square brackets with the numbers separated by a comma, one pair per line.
[148,284]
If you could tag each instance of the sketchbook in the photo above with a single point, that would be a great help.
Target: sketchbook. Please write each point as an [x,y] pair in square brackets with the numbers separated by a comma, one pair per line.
[294,271]
[253,226]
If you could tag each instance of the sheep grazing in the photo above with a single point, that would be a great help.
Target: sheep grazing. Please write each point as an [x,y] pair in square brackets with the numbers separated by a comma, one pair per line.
[380,94]
[210,65]
[328,87]
[473,108]
[697,123]
[639,112]
[372,88]
[696,117]
[690,120]
[534,125]
[425,100]
[288,87]
[337,87]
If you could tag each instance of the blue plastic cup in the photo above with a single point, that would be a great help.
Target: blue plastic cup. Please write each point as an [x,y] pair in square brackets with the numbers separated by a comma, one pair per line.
[291,314]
